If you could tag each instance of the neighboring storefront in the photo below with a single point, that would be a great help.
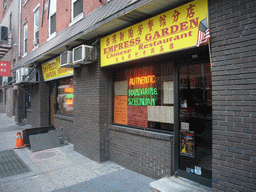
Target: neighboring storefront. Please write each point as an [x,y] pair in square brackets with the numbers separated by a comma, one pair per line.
[162,94]
[61,89]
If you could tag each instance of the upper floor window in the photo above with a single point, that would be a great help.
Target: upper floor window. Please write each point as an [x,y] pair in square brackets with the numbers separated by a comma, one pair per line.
[4,4]
[77,10]
[52,18]
[25,38]
[36,27]
[25,2]
[10,22]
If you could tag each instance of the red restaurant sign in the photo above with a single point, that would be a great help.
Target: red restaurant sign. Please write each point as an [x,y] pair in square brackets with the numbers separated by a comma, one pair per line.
[5,68]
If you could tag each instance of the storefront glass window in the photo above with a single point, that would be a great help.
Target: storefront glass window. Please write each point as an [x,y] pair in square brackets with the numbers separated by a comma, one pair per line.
[144,97]
[65,97]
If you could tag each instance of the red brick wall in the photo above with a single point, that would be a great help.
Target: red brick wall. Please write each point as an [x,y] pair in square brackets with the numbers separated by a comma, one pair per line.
[63,18]
[63,15]
[27,13]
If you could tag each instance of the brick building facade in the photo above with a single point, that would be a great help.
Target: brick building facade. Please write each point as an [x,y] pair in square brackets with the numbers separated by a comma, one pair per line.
[233,57]
[89,118]
[9,18]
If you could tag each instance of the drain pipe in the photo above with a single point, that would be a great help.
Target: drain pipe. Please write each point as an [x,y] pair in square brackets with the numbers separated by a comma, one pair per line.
[20,19]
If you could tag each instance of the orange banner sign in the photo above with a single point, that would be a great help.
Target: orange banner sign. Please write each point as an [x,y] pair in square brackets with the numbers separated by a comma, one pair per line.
[120,110]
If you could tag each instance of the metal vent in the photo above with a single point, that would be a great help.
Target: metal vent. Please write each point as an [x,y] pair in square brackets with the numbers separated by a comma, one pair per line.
[65,58]
[78,53]
[11,164]
[84,54]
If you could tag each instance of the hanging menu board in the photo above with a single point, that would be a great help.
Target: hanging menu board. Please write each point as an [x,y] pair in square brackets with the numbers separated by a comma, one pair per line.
[187,143]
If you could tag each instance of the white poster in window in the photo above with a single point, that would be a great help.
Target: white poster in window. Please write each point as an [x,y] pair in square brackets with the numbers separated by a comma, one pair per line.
[163,114]
[120,88]
[198,170]
[168,92]
[153,113]
[185,126]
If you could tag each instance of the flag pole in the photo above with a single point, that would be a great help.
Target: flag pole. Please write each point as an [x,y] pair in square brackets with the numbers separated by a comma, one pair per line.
[209,44]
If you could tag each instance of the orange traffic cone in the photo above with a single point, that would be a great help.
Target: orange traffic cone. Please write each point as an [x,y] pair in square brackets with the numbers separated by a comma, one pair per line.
[19,141]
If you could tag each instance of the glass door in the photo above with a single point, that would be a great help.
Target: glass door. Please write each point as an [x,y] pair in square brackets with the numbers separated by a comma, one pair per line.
[195,129]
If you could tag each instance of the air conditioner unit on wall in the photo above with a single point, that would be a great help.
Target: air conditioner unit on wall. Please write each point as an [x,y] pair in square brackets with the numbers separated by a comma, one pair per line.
[18,76]
[66,59]
[27,75]
[6,81]
[31,76]
[84,54]
[36,39]
[36,42]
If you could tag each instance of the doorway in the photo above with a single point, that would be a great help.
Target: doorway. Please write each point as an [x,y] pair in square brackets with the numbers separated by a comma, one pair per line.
[52,102]
[194,130]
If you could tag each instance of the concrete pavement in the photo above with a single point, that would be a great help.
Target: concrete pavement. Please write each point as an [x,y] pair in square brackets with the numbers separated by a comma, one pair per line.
[63,169]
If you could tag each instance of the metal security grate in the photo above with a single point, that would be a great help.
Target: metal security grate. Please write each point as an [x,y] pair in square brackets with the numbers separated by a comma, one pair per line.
[11,164]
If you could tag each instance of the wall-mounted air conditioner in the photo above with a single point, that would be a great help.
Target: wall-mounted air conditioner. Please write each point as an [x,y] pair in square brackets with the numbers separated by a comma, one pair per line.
[27,75]
[84,54]
[31,76]
[36,39]
[24,72]
[66,59]
[18,76]
[36,42]
[6,81]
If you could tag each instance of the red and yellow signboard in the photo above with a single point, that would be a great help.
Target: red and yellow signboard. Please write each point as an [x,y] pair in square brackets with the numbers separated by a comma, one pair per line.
[52,70]
[5,68]
[170,31]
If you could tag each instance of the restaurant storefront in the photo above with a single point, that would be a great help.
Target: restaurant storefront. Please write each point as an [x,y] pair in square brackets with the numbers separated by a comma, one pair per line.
[162,99]
[162,94]
[61,89]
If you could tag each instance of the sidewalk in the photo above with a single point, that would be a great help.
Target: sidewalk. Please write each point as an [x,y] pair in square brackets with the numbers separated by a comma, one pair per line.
[61,169]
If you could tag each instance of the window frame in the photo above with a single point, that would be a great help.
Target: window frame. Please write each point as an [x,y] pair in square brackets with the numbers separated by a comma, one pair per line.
[36,28]
[52,11]
[58,104]
[10,21]
[4,5]
[25,2]
[166,127]
[25,38]
[79,16]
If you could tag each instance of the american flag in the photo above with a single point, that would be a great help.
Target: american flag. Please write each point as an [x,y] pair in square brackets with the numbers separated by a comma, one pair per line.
[203,33]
